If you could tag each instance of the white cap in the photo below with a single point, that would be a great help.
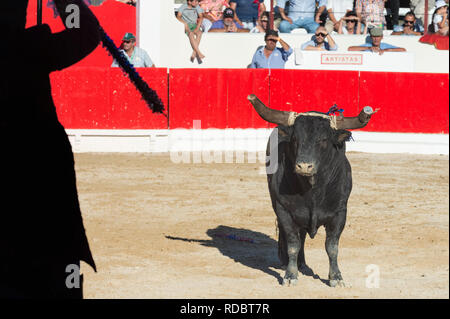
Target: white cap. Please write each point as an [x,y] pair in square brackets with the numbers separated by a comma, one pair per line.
[440,3]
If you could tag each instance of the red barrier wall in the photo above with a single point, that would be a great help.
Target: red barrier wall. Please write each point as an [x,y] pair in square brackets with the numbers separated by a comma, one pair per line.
[103,98]
[217,97]
[409,102]
[115,17]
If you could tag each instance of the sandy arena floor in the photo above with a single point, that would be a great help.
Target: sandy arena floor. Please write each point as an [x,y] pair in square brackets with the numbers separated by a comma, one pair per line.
[158,230]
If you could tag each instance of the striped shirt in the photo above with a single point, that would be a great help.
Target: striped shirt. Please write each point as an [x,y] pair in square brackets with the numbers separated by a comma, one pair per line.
[371,11]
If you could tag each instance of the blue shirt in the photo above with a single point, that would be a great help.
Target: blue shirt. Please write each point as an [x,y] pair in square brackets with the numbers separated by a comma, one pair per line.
[275,61]
[301,8]
[247,10]
[314,44]
[383,46]
[220,25]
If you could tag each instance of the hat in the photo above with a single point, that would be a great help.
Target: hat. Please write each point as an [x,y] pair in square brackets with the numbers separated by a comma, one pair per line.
[128,36]
[440,3]
[228,13]
[376,32]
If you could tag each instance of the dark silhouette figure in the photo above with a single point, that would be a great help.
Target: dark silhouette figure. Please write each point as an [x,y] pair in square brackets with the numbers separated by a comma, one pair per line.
[42,231]
[250,248]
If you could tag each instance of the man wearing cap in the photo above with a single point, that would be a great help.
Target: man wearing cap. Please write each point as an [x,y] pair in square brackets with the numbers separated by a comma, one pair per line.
[375,45]
[227,24]
[138,57]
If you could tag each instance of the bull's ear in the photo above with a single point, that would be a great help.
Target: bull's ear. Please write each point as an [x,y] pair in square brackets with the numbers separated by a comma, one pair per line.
[343,136]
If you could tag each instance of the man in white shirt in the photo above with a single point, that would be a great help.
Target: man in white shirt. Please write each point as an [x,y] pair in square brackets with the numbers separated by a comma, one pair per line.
[336,11]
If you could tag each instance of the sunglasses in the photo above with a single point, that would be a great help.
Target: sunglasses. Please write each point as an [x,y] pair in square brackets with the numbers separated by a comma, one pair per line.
[409,22]
[352,21]
[272,40]
[127,41]
[323,35]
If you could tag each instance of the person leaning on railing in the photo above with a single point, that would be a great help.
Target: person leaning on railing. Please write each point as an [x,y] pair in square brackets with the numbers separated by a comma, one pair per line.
[375,45]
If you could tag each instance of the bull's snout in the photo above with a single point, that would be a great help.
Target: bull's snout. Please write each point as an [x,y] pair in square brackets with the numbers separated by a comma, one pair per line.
[307,169]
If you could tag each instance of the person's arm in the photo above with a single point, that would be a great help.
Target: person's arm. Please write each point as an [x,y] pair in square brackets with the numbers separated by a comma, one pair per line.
[320,11]
[309,46]
[148,63]
[340,31]
[199,22]
[358,26]
[74,43]
[284,44]
[333,19]
[331,43]
[284,16]
[443,21]
[358,48]
[233,6]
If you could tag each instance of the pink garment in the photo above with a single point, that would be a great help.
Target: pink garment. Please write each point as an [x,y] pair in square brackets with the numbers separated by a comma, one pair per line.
[214,8]
[371,11]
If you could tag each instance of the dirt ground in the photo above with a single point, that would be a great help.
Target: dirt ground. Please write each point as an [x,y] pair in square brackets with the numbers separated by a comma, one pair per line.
[159,229]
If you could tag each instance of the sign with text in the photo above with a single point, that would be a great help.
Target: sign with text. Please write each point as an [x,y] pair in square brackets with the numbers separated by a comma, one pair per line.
[355,59]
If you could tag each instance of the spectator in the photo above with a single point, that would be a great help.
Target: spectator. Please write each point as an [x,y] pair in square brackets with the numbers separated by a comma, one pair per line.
[138,57]
[418,7]
[394,6]
[440,18]
[262,24]
[302,14]
[191,15]
[227,24]
[375,45]
[212,12]
[410,26]
[270,56]
[350,24]
[318,42]
[371,13]
[336,11]
[247,12]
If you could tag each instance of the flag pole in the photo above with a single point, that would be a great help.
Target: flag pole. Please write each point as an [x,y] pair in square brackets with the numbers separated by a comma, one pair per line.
[39,12]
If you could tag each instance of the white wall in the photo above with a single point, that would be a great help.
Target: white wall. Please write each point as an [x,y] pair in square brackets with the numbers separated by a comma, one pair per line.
[162,35]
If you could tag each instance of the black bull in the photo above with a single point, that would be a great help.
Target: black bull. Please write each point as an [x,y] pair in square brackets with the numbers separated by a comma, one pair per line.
[311,184]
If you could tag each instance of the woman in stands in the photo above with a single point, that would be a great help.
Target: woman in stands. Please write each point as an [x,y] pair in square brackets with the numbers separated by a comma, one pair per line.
[440,19]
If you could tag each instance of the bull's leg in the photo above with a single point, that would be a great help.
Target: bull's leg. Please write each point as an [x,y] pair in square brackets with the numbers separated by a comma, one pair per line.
[334,230]
[302,266]
[291,234]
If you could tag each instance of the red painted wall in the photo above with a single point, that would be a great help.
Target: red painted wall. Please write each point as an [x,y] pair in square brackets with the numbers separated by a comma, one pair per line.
[116,19]
[103,98]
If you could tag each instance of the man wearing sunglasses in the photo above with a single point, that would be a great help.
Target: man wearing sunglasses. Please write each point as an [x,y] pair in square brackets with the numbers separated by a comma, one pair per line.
[138,57]
[318,42]
[270,56]
[410,27]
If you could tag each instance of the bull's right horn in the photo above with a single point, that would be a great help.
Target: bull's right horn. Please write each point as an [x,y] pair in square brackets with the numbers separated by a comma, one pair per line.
[348,123]
[270,115]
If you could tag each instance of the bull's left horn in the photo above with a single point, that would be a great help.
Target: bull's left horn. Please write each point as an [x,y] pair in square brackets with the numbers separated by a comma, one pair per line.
[270,115]
[349,123]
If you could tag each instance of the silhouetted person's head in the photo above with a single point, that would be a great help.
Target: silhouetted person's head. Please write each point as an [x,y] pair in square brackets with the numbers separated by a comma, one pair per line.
[13,14]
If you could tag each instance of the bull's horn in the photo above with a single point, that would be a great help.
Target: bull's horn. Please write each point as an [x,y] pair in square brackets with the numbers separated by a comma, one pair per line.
[270,115]
[348,123]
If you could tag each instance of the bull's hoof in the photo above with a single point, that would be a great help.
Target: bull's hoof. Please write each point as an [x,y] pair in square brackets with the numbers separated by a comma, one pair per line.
[290,282]
[337,283]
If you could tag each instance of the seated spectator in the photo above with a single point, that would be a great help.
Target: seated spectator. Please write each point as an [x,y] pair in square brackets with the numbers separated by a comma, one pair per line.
[270,56]
[263,24]
[440,18]
[350,24]
[191,15]
[337,10]
[138,57]
[375,45]
[212,12]
[371,13]
[227,24]
[410,27]
[318,42]
[247,12]
[302,14]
